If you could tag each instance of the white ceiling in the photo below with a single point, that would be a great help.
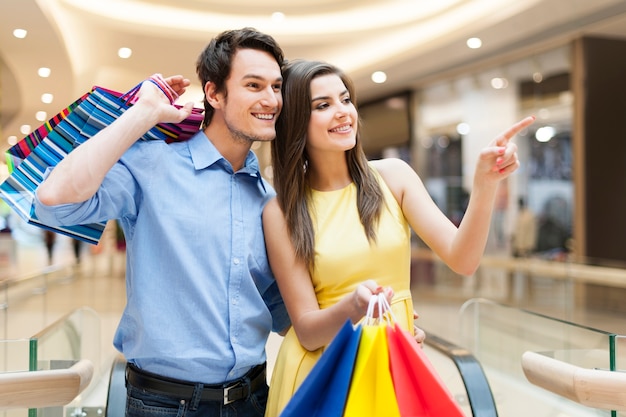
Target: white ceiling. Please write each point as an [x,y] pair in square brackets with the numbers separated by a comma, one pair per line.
[414,41]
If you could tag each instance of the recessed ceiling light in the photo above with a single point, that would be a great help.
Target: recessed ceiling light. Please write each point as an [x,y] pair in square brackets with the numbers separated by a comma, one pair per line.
[124,52]
[462,128]
[379,77]
[278,16]
[44,72]
[545,133]
[41,115]
[12,140]
[499,83]
[474,43]
[25,129]
[47,98]
[20,33]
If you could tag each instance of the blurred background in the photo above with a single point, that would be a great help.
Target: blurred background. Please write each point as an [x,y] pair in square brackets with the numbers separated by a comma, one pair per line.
[436,81]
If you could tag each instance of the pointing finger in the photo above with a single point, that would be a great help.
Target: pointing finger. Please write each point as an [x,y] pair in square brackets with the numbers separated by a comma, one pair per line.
[505,137]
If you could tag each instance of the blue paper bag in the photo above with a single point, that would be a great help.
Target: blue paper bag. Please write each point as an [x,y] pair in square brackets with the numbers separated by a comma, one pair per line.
[324,391]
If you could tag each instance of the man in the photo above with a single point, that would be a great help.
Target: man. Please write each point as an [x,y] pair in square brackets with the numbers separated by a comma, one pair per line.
[201,298]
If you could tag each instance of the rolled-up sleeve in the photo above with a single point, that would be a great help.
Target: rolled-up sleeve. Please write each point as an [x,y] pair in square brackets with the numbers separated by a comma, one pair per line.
[114,198]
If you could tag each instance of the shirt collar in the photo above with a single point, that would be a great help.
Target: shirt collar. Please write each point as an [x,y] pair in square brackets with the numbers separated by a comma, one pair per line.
[204,154]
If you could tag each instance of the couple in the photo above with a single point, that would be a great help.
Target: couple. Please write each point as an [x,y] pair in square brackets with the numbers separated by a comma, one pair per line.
[209,242]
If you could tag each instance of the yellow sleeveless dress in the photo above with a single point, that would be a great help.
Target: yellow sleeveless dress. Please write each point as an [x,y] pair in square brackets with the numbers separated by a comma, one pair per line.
[343,259]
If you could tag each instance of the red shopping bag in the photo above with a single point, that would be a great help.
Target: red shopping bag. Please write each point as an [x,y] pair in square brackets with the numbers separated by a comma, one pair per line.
[419,389]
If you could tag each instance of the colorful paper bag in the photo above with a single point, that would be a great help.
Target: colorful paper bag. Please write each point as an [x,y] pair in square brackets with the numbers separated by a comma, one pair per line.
[419,389]
[324,391]
[70,128]
[18,152]
[371,390]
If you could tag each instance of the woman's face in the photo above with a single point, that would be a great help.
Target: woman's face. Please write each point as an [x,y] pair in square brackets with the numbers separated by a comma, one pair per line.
[333,122]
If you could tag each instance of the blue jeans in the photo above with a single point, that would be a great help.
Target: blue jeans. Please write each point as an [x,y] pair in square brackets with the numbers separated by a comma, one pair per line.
[141,403]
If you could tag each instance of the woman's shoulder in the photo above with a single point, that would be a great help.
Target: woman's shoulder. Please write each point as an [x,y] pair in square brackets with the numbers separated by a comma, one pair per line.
[386,164]
[390,169]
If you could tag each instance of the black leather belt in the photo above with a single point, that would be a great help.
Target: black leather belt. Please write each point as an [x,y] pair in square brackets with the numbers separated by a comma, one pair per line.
[227,393]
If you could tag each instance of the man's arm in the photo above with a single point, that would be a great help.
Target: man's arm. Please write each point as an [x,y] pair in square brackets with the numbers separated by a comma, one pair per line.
[78,176]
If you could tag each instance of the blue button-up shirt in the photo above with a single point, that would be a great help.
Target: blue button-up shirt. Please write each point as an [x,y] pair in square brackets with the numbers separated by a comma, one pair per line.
[201,298]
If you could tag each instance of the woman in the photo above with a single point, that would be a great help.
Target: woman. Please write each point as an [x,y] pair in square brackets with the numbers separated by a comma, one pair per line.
[338,230]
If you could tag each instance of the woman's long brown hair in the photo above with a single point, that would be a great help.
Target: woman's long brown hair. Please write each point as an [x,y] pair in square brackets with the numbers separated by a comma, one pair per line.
[290,160]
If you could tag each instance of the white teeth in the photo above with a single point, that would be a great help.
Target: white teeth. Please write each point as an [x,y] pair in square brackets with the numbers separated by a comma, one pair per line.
[264,116]
[341,129]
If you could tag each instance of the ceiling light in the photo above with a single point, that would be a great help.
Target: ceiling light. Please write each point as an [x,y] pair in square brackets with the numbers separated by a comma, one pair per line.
[124,52]
[278,17]
[47,98]
[25,129]
[474,43]
[41,116]
[20,33]
[544,134]
[462,128]
[443,141]
[12,140]
[44,72]
[499,83]
[379,77]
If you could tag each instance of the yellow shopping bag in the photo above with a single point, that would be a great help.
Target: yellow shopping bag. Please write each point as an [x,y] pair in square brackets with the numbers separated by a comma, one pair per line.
[371,390]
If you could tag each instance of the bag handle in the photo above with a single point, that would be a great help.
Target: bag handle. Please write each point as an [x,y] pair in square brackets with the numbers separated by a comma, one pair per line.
[159,81]
[385,314]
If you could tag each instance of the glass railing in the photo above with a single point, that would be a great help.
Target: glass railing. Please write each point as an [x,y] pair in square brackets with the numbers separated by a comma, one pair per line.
[511,306]
[72,338]
[27,293]
[14,355]
[620,354]
[499,335]
[526,305]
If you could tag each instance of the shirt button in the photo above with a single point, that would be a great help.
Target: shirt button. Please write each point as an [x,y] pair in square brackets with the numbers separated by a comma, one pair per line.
[236,261]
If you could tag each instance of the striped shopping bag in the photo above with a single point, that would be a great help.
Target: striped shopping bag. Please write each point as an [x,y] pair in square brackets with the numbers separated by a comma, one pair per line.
[50,143]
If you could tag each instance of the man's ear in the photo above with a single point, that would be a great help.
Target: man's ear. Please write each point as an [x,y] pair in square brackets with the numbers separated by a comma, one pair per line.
[212,96]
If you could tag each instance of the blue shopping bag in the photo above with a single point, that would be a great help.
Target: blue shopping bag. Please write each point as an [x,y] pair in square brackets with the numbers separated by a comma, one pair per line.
[324,391]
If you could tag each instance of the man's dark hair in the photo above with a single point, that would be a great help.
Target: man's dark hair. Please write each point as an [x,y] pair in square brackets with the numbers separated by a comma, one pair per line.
[215,61]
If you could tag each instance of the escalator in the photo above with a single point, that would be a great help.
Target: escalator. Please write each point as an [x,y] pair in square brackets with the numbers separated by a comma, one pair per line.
[507,361]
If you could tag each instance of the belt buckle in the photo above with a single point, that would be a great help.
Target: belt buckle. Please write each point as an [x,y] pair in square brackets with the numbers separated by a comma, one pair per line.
[227,400]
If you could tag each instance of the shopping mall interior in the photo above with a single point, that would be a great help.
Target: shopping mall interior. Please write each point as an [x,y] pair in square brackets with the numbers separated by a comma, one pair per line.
[539,330]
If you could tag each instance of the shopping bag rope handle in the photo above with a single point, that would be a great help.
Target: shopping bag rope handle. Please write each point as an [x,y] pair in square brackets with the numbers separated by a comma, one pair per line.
[384,310]
[159,81]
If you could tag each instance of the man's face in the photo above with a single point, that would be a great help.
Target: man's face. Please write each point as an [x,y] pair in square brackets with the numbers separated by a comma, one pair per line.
[254,98]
